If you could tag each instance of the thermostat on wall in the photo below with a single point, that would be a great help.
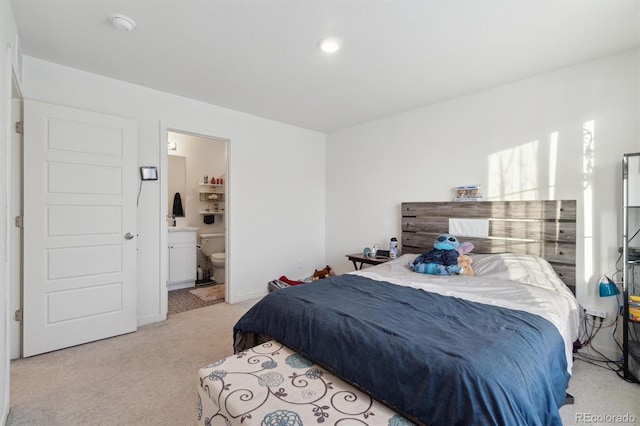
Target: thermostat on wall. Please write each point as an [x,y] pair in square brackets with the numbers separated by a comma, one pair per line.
[149,173]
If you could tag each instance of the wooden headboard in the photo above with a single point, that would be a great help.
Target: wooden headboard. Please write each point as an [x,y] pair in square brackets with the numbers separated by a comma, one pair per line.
[541,228]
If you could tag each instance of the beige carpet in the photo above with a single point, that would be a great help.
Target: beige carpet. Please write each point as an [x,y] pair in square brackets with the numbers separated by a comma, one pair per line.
[150,377]
[143,378]
[599,395]
[209,294]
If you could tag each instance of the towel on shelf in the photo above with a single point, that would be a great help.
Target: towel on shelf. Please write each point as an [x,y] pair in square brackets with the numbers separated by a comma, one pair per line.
[208,219]
[177,205]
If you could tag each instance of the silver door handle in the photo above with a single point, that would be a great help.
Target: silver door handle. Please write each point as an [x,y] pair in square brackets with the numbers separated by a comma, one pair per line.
[128,236]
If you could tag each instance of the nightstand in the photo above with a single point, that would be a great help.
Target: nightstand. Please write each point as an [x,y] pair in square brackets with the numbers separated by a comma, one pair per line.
[362,259]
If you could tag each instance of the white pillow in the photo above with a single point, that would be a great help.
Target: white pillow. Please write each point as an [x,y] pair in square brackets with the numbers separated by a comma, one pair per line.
[522,268]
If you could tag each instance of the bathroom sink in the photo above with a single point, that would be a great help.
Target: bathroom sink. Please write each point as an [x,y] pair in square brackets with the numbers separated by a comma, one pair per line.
[182,228]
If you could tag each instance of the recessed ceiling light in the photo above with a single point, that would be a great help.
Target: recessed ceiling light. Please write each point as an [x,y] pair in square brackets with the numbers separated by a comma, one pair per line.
[329,44]
[122,22]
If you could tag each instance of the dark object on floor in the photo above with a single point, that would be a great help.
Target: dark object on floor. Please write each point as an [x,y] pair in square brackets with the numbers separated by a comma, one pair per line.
[576,346]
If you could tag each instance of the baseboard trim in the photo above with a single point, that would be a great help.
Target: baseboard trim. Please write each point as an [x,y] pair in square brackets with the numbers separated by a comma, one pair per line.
[6,407]
[247,296]
[150,320]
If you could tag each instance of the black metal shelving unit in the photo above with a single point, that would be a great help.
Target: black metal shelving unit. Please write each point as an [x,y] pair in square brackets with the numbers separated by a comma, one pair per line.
[631,221]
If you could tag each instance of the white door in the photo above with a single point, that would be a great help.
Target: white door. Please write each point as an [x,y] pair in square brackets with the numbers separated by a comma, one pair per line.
[80,182]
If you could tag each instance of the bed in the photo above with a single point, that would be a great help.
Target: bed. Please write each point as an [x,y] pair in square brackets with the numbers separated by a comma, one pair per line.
[495,348]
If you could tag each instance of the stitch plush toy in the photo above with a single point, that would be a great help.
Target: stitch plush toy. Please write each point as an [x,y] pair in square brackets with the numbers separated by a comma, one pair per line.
[442,259]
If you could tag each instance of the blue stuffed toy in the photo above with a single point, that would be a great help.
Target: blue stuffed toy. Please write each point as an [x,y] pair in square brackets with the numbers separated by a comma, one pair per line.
[443,258]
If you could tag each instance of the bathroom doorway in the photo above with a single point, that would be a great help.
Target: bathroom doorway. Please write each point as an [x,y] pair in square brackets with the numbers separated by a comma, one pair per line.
[195,198]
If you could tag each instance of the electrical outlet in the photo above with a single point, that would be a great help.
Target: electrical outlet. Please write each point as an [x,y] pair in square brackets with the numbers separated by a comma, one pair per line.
[595,312]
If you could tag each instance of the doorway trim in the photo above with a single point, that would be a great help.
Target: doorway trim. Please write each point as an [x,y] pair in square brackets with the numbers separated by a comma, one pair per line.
[12,278]
[165,128]
[14,208]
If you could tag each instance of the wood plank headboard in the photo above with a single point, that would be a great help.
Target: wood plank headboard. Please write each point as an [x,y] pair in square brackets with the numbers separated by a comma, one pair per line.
[541,228]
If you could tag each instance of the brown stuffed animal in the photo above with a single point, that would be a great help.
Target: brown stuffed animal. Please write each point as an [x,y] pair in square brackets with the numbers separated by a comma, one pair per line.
[464,262]
[322,273]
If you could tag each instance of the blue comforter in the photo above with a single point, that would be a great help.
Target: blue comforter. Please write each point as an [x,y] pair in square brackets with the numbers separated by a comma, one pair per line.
[436,359]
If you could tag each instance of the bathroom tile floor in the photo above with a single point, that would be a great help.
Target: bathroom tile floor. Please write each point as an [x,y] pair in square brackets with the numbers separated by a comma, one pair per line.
[182,300]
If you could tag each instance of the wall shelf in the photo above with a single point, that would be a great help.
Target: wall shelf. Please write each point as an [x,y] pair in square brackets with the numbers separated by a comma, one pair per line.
[208,204]
[206,196]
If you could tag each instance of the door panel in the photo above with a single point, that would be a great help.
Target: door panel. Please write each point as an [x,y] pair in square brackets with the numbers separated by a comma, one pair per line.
[85,138]
[80,179]
[68,178]
[79,303]
[79,220]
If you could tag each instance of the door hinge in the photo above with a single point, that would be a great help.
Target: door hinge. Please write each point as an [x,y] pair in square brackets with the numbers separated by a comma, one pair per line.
[19,222]
[18,315]
[20,127]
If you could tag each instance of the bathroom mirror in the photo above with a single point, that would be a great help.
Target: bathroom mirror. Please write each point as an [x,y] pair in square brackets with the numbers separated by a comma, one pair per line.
[177,184]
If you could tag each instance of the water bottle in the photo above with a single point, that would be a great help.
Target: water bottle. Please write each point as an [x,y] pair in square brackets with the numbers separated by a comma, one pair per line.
[393,248]
[200,276]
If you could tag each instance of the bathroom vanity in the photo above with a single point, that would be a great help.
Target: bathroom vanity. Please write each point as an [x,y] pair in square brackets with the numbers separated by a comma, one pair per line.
[182,257]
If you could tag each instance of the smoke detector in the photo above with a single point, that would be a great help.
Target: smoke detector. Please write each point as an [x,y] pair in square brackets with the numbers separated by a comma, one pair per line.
[123,22]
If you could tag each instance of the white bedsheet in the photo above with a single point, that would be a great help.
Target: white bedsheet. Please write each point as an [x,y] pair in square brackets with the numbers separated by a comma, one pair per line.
[553,302]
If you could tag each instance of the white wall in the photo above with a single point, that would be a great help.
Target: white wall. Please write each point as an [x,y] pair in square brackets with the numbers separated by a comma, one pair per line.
[519,141]
[276,177]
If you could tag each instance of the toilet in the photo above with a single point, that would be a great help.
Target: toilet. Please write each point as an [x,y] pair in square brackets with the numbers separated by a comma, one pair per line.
[212,247]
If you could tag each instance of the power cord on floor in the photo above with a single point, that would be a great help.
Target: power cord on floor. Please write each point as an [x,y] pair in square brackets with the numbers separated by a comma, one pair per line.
[591,328]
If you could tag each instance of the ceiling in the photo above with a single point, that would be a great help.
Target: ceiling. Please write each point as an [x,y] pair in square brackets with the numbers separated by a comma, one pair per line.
[261,57]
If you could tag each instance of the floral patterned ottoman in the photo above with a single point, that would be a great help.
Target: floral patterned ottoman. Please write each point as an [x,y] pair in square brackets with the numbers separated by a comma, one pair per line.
[271,384]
